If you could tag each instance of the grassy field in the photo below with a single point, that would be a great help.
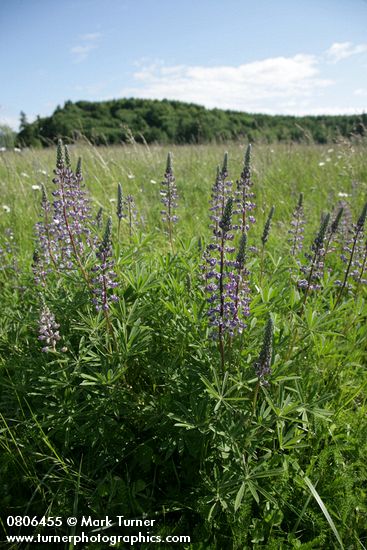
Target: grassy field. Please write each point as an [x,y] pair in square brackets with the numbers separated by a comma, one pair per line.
[135,409]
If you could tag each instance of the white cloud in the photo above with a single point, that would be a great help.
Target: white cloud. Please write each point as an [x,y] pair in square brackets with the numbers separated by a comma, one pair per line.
[256,86]
[343,50]
[88,43]
[360,92]
[91,36]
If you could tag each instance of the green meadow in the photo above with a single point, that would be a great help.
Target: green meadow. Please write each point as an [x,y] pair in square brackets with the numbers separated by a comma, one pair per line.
[136,410]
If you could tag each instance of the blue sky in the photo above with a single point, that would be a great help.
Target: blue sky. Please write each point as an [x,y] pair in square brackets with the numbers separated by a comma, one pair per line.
[290,57]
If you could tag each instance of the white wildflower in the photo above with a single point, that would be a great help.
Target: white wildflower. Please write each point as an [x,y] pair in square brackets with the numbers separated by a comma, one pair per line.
[343,195]
[36,187]
[6,208]
[321,163]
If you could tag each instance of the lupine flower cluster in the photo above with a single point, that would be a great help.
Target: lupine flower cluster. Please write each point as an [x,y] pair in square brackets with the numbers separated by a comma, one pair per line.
[99,217]
[266,231]
[297,228]
[263,364]
[314,271]
[45,231]
[64,234]
[244,195]
[104,276]
[331,232]
[126,210]
[355,252]
[169,197]
[221,191]
[226,279]
[48,330]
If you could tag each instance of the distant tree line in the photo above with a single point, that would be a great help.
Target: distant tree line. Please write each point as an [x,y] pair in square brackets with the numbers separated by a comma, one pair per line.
[164,121]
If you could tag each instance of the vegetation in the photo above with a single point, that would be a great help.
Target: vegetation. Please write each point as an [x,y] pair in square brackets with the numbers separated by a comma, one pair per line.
[116,121]
[228,407]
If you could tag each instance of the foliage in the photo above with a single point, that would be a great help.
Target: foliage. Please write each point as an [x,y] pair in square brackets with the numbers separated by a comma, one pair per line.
[152,121]
[136,412]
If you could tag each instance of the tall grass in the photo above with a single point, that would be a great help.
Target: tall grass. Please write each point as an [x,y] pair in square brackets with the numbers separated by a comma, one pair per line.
[138,416]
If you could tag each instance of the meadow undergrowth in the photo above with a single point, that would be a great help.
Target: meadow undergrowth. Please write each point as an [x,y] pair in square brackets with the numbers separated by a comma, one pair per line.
[207,369]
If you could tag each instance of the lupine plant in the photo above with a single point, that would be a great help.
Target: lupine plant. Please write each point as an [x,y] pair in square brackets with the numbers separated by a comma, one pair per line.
[169,198]
[255,439]
[297,228]
[244,194]
[354,253]
[48,330]
[221,192]
[314,270]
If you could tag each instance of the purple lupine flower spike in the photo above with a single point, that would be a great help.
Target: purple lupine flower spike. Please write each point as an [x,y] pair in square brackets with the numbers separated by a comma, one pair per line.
[354,254]
[297,228]
[104,276]
[315,269]
[169,197]
[244,195]
[221,191]
[48,330]
[267,225]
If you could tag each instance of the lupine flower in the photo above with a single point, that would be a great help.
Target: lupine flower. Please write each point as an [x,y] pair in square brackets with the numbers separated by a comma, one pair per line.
[104,276]
[244,196]
[48,332]
[315,269]
[46,239]
[64,236]
[120,202]
[99,218]
[267,225]
[169,197]
[225,280]
[332,230]
[354,253]
[297,227]
[71,213]
[263,364]
[131,214]
[221,191]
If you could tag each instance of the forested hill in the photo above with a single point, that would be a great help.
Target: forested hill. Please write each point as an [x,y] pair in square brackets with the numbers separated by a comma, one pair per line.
[167,121]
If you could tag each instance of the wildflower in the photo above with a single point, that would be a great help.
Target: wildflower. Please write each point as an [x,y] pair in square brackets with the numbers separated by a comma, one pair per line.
[36,187]
[169,197]
[104,278]
[6,208]
[315,269]
[343,195]
[48,332]
[356,249]
[332,230]
[64,236]
[267,225]
[297,227]
[262,365]
[244,195]
[119,207]
[99,217]
[221,191]
[226,279]
[321,163]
